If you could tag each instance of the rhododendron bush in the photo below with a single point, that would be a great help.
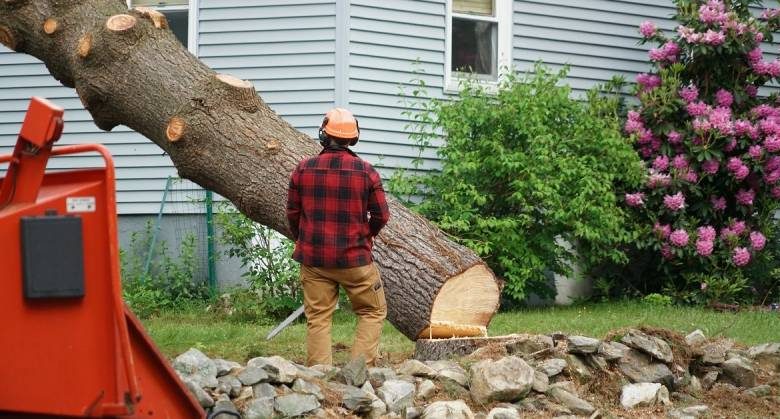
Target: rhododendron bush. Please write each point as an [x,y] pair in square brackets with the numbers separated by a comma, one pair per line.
[710,137]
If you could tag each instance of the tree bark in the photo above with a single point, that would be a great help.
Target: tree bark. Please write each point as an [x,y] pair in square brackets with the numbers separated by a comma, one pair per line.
[129,69]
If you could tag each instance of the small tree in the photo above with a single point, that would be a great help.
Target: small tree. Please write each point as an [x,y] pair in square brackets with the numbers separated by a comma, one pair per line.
[711,144]
[524,172]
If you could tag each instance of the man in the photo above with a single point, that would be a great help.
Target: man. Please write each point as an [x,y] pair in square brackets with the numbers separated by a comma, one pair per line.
[335,207]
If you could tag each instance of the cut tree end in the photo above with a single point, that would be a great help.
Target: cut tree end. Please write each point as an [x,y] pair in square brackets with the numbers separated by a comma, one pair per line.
[158,19]
[7,38]
[464,305]
[175,129]
[234,81]
[50,26]
[85,45]
[120,23]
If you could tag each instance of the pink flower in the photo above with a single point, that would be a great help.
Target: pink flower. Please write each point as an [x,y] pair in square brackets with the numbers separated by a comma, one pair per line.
[689,93]
[738,227]
[718,203]
[714,11]
[757,240]
[742,173]
[635,199]
[775,192]
[756,151]
[657,54]
[657,180]
[674,137]
[689,34]
[734,164]
[727,234]
[691,176]
[772,177]
[674,202]
[701,125]
[698,109]
[661,163]
[745,197]
[706,233]
[772,143]
[724,98]
[758,37]
[704,247]
[741,256]
[755,55]
[662,230]
[770,14]
[633,126]
[730,146]
[679,238]
[648,81]
[773,163]
[713,38]
[751,90]
[710,166]
[647,29]
[680,162]
[666,252]
[720,118]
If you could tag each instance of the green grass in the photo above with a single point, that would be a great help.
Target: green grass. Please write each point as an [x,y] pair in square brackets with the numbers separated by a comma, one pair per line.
[175,332]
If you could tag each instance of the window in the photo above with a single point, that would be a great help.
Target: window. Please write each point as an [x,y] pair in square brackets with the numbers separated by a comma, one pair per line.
[178,14]
[478,40]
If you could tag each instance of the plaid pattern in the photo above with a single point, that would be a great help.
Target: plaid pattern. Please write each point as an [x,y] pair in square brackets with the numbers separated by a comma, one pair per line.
[335,206]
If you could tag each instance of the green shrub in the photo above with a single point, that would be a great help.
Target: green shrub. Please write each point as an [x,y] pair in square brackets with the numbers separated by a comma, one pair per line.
[169,283]
[524,172]
[270,272]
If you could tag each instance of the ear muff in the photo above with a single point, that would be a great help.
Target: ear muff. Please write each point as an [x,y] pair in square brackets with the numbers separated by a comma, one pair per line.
[322,135]
[356,139]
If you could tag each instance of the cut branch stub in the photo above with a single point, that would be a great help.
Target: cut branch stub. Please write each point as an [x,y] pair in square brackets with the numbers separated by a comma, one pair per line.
[120,23]
[8,38]
[241,92]
[234,81]
[158,19]
[175,129]
[85,45]
[50,26]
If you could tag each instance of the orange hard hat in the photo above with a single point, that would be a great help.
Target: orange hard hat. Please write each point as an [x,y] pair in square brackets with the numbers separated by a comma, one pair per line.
[340,123]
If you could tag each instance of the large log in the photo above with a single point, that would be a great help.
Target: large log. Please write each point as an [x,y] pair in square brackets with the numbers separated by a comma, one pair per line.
[129,69]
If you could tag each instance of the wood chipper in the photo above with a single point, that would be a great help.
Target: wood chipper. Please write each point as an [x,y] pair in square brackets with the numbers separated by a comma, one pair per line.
[69,347]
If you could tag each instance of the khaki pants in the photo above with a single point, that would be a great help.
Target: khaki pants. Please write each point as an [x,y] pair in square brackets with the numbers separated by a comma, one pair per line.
[320,295]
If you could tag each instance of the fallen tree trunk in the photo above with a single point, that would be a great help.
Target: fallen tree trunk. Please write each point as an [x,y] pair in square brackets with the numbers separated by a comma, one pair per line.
[129,69]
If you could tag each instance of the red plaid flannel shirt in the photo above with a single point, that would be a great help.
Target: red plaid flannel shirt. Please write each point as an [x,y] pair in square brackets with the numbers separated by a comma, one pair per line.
[335,206]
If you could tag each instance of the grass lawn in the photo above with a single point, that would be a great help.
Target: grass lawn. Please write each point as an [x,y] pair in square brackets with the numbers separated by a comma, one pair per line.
[175,332]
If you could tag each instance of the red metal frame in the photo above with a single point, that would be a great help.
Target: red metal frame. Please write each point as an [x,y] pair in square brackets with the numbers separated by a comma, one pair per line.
[91,350]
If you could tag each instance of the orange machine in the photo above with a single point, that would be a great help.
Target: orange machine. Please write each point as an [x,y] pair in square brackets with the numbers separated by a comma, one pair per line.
[68,345]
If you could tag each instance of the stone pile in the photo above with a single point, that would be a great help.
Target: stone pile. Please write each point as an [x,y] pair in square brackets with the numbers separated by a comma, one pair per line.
[533,375]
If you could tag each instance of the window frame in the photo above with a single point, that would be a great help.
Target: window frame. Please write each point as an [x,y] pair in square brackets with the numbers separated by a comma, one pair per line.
[503,19]
[192,7]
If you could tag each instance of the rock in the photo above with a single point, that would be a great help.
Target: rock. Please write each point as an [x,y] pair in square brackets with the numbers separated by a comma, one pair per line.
[683,397]
[310,373]
[252,375]
[507,379]
[203,397]
[355,372]
[263,390]
[694,386]
[503,413]
[377,376]
[714,353]
[456,409]
[223,405]
[577,368]
[488,352]
[229,384]
[739,371]
[528,345]
[195,366]
[596,362]
[766,354]
[643,394]
[397,394]
[368,388]
[612,351]
[651,345]
[415,368]
[245,394]
[582,344]
[378,408]
[260,408]
[571,401]
[639,369]
[357,400]
[695,338]
[566,385]
[224,366]
[690,412]
[294,404]
[709,379]
[426,389]
[552,366]
[279,370]
[449,370]
[760,391]
[306,387]
[326,370]
[541,382]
